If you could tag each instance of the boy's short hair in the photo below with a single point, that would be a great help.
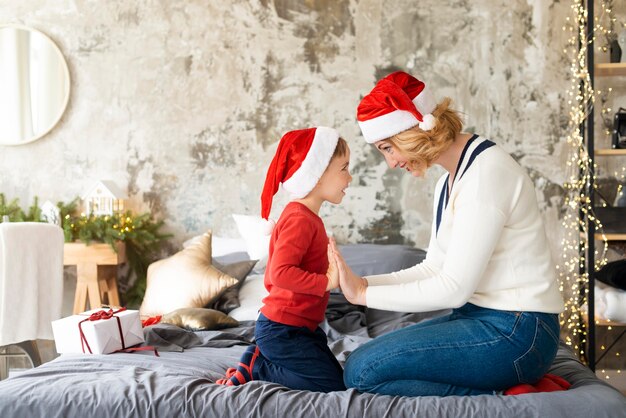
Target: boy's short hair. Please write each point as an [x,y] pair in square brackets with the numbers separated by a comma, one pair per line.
[341,149]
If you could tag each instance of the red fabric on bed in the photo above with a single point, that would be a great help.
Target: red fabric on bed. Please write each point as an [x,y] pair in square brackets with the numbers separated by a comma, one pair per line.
[548,383]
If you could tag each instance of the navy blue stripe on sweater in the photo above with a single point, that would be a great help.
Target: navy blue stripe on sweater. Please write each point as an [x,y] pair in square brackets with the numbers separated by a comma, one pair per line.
[480,148]
[442,202]
[460,163]
[444,196]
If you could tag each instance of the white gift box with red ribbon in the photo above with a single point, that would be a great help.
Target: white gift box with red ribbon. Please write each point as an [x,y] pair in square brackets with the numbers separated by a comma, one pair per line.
[98,331]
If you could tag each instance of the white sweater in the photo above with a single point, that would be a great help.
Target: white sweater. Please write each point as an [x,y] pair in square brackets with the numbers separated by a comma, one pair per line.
[490,248]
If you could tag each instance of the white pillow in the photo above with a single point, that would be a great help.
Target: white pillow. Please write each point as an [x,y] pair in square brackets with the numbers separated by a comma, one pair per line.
[616,305]
[256,232]
[220,245]
[251,297]
[610,303]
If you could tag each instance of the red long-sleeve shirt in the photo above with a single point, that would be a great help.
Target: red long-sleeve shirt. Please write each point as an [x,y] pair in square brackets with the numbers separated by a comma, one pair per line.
[295,276]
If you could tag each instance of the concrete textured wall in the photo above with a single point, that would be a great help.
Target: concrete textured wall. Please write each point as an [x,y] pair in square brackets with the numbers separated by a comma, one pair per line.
[182,103]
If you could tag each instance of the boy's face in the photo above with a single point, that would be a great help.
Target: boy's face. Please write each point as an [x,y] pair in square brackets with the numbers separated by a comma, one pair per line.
[335,180]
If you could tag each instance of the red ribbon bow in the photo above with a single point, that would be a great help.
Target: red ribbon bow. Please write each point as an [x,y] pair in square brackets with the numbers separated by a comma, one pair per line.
[97,316]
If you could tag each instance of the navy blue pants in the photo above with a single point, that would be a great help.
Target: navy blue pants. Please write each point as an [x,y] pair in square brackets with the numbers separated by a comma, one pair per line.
[296,357]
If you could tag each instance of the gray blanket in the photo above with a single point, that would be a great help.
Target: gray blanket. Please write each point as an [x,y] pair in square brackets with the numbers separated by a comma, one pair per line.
[180,382]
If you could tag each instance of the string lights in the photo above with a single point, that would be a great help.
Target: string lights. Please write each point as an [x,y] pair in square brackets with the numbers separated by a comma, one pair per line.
[573,279]
[609,33]
[580,174]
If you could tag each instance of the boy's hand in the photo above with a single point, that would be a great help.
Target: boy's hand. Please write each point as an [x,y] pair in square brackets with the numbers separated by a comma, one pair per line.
[333,273]
[352,286]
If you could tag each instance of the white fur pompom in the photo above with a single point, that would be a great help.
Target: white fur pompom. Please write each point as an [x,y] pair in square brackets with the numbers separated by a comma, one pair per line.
[428,123]
[268,227]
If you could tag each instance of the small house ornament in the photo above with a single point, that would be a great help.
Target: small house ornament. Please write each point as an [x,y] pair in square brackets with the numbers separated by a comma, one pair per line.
[51,213]
[104,198]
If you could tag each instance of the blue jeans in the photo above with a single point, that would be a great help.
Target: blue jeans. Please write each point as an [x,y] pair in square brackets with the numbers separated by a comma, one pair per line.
[296,357]
[471,351]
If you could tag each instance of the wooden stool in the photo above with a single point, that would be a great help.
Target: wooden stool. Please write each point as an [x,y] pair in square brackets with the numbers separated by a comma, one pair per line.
[96,273]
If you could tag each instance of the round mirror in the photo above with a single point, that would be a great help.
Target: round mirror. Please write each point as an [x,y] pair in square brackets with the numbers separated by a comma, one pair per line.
[34,85]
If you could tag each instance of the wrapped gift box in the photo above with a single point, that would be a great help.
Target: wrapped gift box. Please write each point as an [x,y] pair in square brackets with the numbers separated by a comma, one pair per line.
[102,335]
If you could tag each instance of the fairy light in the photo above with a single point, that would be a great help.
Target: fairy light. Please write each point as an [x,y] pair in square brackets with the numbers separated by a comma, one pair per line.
[604,24]
[573,276]
[573,279]
[606,111]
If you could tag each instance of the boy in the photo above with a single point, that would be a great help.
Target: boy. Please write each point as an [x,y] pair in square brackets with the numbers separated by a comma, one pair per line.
[313,165]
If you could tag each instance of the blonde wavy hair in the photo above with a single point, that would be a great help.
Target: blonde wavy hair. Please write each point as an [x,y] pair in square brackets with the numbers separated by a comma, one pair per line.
[422,148]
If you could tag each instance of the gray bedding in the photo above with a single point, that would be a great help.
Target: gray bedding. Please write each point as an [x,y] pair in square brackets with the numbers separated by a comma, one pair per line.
[179,383]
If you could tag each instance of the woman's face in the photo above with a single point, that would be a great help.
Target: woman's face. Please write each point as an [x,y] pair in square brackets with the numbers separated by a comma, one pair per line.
[394,157]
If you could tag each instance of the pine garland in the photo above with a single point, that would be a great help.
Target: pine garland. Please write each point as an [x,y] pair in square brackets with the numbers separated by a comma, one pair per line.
[15,213]
[141,234]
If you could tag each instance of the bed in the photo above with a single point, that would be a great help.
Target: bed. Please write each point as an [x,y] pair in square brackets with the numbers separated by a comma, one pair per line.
[179,382]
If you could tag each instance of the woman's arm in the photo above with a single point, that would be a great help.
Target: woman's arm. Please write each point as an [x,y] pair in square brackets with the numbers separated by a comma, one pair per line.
[476,232]
[354,287]
[417,272]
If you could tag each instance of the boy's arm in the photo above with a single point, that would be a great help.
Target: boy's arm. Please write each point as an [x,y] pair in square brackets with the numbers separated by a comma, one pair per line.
[292,244]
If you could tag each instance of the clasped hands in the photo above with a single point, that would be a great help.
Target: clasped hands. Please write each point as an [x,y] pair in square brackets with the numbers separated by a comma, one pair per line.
[340,275]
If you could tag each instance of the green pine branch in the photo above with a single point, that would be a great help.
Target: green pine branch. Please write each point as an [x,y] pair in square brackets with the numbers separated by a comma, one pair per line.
[15,213]
[141,234]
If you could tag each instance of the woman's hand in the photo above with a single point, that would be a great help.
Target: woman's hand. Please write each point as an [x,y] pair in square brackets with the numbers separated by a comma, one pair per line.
[333,273]
[352,286]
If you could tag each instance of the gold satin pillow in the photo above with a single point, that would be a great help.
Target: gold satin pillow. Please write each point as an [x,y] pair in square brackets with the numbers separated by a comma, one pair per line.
[185,280]
[228,299]
[197,319]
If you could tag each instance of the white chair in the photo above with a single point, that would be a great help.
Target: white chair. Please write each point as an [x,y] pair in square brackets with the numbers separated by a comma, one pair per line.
[31,284]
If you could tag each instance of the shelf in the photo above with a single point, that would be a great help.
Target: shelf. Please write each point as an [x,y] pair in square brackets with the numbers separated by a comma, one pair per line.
[611,237]
[611,69]
[610,151]
[593,353]
[601,322]
[607,323]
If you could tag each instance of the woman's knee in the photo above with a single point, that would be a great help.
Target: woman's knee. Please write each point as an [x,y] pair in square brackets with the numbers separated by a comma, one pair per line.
[349,373]
[354,372]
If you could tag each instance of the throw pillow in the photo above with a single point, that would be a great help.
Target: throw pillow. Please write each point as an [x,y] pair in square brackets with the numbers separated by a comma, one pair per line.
[198,319]
[613,274]
[251,297]
[220,246]
[370,259]
[228,299]
[185,280]
[256,231]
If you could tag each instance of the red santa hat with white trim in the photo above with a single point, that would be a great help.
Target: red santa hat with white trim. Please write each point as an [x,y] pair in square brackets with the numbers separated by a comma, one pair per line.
[300,160]
[397,102]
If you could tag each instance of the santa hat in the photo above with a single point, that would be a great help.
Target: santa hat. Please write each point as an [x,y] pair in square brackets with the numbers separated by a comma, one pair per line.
[301,159]
[397,102]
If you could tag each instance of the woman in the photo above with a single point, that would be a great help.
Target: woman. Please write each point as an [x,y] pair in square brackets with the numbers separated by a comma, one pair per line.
[488,259]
